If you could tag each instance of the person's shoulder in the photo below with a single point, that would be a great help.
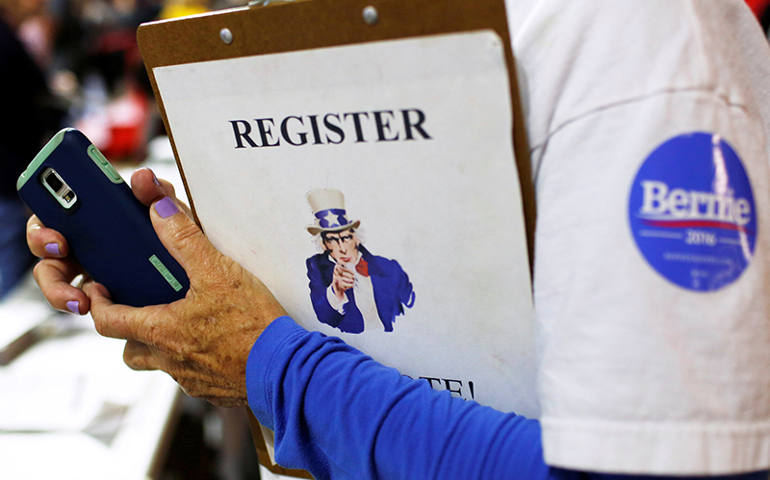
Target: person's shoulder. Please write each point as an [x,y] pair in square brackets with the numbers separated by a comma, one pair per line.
[607,53]
[652,45]
[384,263]
[370,257]
[317,260]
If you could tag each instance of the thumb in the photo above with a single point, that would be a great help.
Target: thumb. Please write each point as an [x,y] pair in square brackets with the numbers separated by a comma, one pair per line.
[181,236]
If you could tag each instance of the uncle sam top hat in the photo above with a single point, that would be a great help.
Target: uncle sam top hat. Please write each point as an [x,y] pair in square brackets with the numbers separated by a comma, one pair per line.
[328,206]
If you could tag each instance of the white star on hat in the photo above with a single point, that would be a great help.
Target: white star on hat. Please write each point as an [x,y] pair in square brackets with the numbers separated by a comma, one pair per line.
[328,217]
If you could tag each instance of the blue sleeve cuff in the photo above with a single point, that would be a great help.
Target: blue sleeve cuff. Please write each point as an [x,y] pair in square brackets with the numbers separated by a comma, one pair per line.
[264,367]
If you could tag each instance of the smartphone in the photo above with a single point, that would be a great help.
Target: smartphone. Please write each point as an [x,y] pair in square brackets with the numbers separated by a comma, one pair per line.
[72,188]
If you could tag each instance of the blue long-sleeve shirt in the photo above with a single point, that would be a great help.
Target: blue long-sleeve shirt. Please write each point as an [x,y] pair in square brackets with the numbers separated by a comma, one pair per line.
[339,414]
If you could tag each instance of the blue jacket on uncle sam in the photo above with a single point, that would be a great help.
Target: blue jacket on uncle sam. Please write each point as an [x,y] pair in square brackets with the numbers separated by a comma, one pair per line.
[392,292]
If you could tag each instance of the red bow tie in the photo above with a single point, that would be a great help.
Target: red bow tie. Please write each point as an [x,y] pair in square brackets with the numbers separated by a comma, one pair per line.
[362,267]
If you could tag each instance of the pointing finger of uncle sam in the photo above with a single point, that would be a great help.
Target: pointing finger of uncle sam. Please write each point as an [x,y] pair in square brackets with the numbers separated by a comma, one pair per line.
[344,272]
[342,279]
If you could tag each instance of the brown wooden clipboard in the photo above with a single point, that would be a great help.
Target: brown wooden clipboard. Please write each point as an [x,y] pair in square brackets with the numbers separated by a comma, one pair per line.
[286,26]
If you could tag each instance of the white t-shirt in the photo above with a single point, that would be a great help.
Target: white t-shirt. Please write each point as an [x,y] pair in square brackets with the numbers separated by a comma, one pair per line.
[640,372]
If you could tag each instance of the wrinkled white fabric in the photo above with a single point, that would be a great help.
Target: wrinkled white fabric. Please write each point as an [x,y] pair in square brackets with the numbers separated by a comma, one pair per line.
[638,374]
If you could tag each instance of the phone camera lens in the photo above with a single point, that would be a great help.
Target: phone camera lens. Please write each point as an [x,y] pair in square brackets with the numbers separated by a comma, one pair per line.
[53,182]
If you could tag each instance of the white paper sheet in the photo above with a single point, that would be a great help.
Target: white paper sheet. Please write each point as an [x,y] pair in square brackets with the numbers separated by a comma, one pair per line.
[443,201]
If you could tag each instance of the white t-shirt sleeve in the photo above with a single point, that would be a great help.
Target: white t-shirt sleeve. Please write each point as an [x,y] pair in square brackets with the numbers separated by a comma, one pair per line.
[639,374]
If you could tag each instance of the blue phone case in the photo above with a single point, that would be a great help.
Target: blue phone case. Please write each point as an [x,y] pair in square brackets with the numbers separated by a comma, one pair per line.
[107,228]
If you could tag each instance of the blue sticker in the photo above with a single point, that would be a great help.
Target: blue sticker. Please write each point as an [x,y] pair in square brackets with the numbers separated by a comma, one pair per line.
[692,212]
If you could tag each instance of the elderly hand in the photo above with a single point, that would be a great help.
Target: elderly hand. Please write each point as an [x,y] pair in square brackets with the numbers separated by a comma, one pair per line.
[203,340]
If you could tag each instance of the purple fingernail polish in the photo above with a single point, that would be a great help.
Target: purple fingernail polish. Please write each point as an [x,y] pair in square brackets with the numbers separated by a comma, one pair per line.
[52,249]
[166,207]
[73,306]
[155,179]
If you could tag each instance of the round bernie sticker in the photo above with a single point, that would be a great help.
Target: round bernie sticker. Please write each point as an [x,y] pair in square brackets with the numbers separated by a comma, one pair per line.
[692,212]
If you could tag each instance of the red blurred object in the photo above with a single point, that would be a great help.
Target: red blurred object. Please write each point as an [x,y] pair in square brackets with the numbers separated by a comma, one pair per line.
[119,128]
[758,6]
[128,116]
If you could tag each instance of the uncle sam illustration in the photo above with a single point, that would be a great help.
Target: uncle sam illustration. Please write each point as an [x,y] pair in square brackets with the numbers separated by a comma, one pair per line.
[350,288]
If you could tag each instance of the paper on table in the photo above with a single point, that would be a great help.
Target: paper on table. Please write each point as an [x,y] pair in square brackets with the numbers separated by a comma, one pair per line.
[21,313]
[59,455]
[42,403]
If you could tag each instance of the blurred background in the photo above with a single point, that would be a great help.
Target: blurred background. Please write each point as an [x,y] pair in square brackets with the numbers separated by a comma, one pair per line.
[73,63]
[76,63]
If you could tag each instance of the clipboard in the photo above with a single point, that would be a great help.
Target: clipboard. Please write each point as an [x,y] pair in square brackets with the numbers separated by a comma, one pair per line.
[288,26]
